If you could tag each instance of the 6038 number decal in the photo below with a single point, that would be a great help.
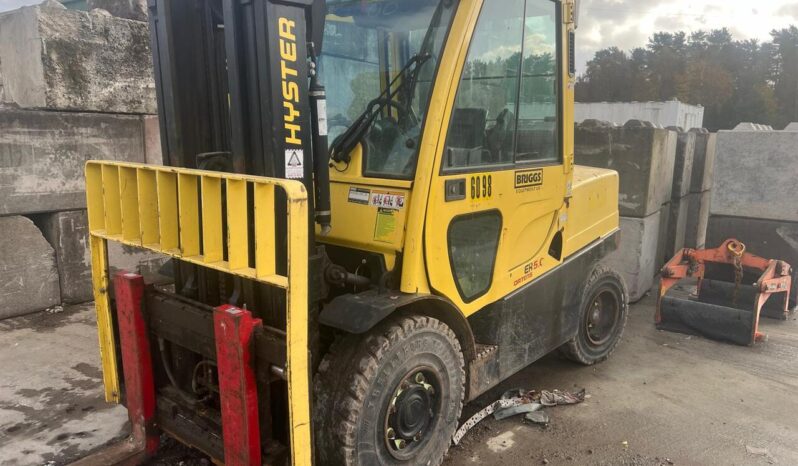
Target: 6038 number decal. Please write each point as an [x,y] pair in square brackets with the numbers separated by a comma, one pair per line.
[481,187]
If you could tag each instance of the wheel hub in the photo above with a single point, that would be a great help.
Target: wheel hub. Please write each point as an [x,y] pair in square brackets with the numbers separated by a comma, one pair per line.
[601,318]
[410,413]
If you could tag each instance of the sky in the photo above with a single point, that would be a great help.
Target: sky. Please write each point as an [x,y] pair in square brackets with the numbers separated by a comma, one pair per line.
[628,23]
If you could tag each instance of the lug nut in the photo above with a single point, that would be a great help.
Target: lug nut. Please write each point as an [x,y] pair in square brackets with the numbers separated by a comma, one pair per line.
[400,444]
[420,378]
[390,433]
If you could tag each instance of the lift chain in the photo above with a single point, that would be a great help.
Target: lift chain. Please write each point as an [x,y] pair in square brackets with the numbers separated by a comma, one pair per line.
[737,250]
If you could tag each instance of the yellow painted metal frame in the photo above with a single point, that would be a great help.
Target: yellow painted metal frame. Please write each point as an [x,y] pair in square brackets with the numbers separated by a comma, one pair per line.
[159,208]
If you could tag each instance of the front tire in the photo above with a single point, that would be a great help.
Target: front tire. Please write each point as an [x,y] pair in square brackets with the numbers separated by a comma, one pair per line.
[603,312]
[390,397]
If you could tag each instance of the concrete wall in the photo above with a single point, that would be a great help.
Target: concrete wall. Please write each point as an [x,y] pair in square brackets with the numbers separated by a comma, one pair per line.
[74,86]
[663,114]
[755,174]
[59,59]
[42,155]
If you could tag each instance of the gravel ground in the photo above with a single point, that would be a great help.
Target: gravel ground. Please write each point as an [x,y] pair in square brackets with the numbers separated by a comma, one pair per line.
[661,399]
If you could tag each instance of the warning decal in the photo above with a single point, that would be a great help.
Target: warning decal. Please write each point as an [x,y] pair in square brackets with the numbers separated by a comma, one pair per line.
[385,226]
[294,164]
[386,200]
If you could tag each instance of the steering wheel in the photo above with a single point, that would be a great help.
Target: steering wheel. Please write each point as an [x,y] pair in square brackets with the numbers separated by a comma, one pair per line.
[406,115]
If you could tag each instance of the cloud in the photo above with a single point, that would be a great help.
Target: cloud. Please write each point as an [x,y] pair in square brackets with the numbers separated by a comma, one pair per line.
[790,10]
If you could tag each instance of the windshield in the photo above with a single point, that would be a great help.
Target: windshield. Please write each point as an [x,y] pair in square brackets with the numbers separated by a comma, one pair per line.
[366,46]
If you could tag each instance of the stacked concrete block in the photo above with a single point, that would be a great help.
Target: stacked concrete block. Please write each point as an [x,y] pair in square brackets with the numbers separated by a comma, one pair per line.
[704,161]
[68,233]
[677,227]
[698,208]
[42,155]
[74,86]
[28,272]
[635,259]
[701,188]
[58,59]
[662,235]
[644,157]
[640,153]
[676,230]
[755,175]
[752,196]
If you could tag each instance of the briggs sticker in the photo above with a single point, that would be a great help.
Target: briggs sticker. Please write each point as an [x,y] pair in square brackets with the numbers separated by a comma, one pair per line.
[528,178]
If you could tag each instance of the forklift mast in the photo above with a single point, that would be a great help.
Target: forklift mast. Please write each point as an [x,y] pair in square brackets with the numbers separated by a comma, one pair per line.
[232,84]
[232,80]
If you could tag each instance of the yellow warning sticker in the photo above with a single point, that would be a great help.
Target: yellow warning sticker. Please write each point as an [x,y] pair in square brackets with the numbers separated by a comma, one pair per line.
[385,227]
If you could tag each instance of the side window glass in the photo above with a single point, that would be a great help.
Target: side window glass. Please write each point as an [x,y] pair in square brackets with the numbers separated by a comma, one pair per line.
[482,126]
[473,242]
[350,55]
[537,133]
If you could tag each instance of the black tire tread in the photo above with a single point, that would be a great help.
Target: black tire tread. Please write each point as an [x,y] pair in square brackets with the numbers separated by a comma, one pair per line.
[342,381]
[571,349]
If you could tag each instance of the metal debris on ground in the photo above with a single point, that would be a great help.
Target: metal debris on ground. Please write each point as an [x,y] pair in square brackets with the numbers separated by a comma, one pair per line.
[525,398]
[519,401]
[537,417]
[515,410]
[556,397]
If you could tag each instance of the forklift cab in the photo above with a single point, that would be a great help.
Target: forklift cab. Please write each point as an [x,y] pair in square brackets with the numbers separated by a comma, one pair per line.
[469,139]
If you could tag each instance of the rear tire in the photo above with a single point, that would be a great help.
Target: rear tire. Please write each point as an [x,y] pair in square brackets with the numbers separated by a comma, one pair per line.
[392,396]
[603,314]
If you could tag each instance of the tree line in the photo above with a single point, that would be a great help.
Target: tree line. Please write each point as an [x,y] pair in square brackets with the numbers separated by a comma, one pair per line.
[735,80]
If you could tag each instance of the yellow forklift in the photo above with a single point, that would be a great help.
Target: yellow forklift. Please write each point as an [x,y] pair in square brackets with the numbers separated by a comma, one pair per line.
[372,216]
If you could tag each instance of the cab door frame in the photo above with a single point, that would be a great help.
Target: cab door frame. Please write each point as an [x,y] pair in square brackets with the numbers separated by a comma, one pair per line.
[502,188]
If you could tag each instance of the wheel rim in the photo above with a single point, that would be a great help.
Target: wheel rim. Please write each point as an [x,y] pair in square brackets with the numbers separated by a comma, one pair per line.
[411,413]
[602,316]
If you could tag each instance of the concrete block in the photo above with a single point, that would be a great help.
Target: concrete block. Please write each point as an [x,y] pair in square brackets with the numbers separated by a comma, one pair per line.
[770,239]
[68,233]
[662,236]
[636,259]
[755,174]
[28,272]
[153,153]
[128,9]
[677,227]
[683,165]
[641,154]
[703,161]
[54,58]
[698,207]
[42,156]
